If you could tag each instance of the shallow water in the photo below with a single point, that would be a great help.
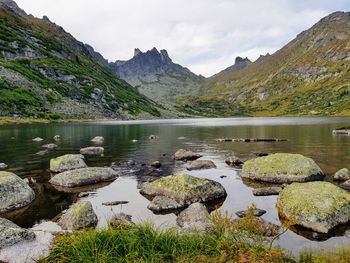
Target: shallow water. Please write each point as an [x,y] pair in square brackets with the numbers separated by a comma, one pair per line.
[309,136]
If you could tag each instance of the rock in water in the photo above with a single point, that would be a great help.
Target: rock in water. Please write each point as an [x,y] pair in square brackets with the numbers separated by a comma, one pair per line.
[256,212]
[156,164]
[163,203]
[200,165]
[282,168]
[49,146]
[264,191]
[98,139]
[11,234]
[184,155]
[57,138]
[195,218]
[67,162]
[319,206]
[185,189]
[14,192]
[234,161]
[121,220]
[3,165]
[78,216]
[92,150]
[84,176]
[342,175]
[37,139]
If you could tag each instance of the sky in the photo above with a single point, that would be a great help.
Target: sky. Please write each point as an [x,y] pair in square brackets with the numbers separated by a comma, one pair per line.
[203,35]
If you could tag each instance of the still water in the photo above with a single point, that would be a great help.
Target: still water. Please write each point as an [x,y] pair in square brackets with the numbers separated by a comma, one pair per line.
[309,136]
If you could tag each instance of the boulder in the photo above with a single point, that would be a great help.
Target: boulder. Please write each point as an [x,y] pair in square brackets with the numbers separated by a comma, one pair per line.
[3,165]
[11,234]
[319,206]
[14,192]
[49,146]
[342,175]
[78,216]
[98,139]
[185,189]
[57,138]
[195,218]
[153,137]
[121,220]
[163,203]
[234,161]
[84,176]
[184,155]
[256,212]
[67,162]
[282,168]
[200,165]
[92,150]
[264,191]
[346,185]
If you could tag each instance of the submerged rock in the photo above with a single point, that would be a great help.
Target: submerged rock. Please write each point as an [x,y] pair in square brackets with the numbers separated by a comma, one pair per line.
[319,206]
[264,191]
[3,165]
[114,203]
[57,138]
[84,176]
[98,139]
[14,192]
[37,139]
[282,168]
[200,165]
[78,216]
[163,203]
[234,161]
[195,218]
[185,189]
[50,146]
[92,150]
[153,137]
[256,212]
[184,155]
[67,162]
[342,175]
[42,153]
[11,234]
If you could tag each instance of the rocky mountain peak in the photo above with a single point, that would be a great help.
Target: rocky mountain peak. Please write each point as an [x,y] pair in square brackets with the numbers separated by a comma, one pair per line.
[240,60]
[240,63]
[12,6]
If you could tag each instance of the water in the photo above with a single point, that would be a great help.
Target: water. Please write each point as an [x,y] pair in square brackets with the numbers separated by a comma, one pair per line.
[309,136]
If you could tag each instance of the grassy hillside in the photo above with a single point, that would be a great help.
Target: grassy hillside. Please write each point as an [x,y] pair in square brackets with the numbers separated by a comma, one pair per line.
[46,73]
[309,76]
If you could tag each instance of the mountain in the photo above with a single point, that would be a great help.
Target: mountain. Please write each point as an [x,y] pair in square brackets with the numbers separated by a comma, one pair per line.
[308,76]
[46,73]
[240,63]
[156,76]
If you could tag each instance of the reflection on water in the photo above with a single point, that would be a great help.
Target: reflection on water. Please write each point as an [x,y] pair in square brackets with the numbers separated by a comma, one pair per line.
[309,136]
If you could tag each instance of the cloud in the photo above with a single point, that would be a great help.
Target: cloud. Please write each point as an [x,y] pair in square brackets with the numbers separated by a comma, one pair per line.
[203,35]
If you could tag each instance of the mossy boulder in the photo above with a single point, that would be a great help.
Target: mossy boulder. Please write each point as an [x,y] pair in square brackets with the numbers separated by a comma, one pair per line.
[78,216]
[200,165]
[184,155]
[84,176]
[67,162]
[346,185]
[11,234]
[319,206]
[92,150]
[14,192]
[185,189]
[195,218]
[342,175]
[282,168]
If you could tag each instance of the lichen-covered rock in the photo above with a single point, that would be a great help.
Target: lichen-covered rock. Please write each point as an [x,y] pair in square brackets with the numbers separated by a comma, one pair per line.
[184,155]
[14,192]
[346,185]
[185,189]
[319,206]
[84,176]
[234,161]
[194,218]
[282,168]
[78,216]
[200,165]
[163,203]
[265,191]
[98,139]
[92,150]
[11,234]
[67,162]
[342,175]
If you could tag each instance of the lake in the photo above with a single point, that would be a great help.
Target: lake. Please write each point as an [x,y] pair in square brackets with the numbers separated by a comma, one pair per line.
[308,136]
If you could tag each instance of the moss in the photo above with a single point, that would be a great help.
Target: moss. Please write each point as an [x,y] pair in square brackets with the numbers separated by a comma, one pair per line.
[282,163]
[80,209]
[8,178]
[322,199]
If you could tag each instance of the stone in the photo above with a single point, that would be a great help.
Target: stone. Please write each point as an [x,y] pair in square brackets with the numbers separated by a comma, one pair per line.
[114,203]
[200,165]
[153,137]
[163,203]
[67,162]
[234,161]
[84,176]
[3,166]
[266,228]
[156,164]
[342,131]
[14,192]
[121,220]
[185,189]
[195,218]
[264,191]
[92,150]
[80,215]
[57,138]
[342,175]
[256,212]
[282,168]
[11,234]
[347,233]
[42,153]
[184,155]
[98,139]
[181,138]
[319,206]
[38,139]
[49,146]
